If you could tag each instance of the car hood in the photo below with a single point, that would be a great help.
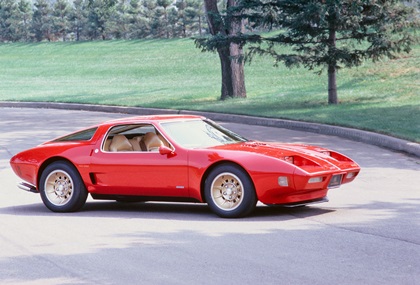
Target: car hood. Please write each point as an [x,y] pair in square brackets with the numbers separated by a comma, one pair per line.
[278,150]
[318,155]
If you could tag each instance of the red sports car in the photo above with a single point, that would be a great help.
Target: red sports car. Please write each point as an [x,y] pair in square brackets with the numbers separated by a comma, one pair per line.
[178,158]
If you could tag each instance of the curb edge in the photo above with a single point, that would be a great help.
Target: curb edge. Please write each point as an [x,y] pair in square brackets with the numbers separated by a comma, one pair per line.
[380,140]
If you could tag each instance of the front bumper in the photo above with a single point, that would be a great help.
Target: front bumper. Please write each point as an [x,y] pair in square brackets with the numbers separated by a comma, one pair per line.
[27,187]
[304,203]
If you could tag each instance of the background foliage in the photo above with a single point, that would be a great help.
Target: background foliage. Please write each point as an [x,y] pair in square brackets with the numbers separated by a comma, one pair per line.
[63,20]
[382,97]
[172,73]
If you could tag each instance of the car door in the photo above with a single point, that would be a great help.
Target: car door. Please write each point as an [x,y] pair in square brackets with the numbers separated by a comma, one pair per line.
[139,173]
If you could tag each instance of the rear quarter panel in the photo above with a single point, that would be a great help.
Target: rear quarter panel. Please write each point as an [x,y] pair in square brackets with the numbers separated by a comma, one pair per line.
[28,165]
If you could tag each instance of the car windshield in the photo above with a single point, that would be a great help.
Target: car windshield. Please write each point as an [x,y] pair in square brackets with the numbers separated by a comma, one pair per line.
[200,134]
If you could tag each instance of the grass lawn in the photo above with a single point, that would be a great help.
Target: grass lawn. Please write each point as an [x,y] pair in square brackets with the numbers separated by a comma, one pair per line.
[382,97]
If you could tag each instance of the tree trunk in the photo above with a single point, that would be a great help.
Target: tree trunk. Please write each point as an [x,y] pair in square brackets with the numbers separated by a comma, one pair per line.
[166,23]
[236,53]
[238,73]
[224,55]
[332,68]
[199,25]
[332,85]
[233,76]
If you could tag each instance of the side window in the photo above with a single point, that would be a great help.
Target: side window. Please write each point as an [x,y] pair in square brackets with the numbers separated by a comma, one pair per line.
[84,135]
[144,138]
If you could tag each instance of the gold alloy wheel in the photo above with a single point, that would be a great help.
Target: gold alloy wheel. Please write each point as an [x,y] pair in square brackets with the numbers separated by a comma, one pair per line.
[58,187]
[227,191]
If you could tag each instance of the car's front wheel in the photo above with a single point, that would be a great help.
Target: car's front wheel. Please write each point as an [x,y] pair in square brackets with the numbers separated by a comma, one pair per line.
[229,191]
[61,188]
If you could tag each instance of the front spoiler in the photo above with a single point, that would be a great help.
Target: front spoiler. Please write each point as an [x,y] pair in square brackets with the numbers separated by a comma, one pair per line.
[27,187]
[304,203]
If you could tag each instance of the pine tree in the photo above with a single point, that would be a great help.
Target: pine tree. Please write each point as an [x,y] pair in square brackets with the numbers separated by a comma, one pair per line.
[41,21]
[15,20]
[162,13]
[6,8]
[327,34]
[190,14]
[23,30]
[60,18]
[78,19]
[118,23]
[138,23]
[195,18]
[173,22]
[100,12]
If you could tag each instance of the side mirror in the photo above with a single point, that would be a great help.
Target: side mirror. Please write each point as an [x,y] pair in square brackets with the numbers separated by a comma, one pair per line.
[164,150]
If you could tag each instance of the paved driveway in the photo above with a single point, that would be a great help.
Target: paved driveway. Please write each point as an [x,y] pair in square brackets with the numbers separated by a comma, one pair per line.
[369,232]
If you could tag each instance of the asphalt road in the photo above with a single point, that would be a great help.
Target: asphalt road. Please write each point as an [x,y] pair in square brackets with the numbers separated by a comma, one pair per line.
[369,232]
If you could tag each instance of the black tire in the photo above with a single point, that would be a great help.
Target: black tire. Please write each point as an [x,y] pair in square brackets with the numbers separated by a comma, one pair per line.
[229,191]
[62,188]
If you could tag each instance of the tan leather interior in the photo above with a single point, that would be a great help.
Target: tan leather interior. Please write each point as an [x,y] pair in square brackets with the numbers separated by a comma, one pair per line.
[120,143]
[135,142]
[107,144]
[150,142]
[165,143]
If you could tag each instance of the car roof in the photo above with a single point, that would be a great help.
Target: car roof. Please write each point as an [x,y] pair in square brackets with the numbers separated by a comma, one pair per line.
[154,118]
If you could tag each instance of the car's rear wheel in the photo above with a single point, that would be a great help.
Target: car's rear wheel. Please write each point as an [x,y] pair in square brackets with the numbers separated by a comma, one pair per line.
[61,188]
[229,191]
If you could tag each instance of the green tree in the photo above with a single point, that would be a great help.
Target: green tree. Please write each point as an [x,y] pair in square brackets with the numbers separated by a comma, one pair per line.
[24,10]
[181,5]
[162,11]
[78,18]
[41,21]
[195,16]
[190,15]
[118,24]
[327,34]
[8,10]
[61,19]
[173,26]
[138,22]
[100,12]
[15,18]
[224,26]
